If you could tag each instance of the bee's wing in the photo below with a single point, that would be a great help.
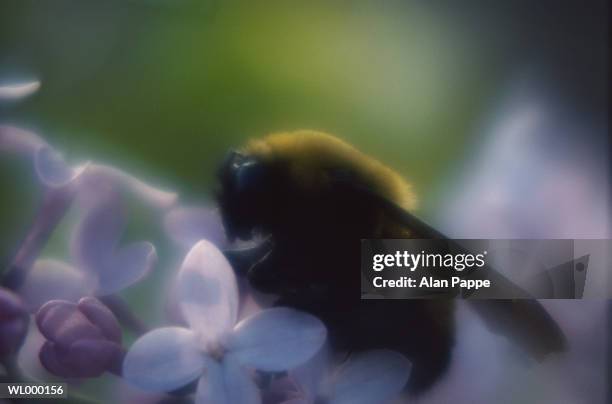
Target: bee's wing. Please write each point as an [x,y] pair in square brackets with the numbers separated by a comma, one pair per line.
[525,321]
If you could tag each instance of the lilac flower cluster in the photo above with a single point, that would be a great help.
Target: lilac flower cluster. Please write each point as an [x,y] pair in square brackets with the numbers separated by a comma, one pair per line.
[224,353]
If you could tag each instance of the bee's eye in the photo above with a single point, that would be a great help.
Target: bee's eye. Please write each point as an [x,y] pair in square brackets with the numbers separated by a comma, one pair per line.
[241,174]
[249,176]
[226,167]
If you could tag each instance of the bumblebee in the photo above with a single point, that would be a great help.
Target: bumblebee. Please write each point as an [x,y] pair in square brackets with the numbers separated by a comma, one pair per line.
[310,197]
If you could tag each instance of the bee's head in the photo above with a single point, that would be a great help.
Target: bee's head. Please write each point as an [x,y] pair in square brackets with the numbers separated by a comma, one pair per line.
[245,195]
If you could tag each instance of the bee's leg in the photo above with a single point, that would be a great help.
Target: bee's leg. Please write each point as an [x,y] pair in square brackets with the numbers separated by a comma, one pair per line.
[264,274]
[243,259]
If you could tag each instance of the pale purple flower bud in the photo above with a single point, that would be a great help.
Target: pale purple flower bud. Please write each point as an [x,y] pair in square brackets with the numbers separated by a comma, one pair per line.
[100,265]
[53,171]
[89,179]
[19,141]
[83,339]
[18,90]
[100,179]
[96,250]
[13,322]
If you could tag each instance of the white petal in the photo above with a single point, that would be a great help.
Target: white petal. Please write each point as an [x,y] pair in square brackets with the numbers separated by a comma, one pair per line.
[98,176]
[19,141]
[277,339]
[128,266]
[208,293]
[371,377]
[52,170]
[163,360]
[226,383]
[18,90]
[50,279]
[188,225]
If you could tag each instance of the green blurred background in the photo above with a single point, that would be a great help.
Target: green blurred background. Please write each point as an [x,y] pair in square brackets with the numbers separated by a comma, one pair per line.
[163,88]
[168,87]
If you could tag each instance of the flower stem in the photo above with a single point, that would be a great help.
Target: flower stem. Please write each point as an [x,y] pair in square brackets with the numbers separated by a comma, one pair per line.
[54,206]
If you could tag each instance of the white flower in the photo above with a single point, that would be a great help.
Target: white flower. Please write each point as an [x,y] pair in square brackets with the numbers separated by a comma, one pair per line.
[215,349]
